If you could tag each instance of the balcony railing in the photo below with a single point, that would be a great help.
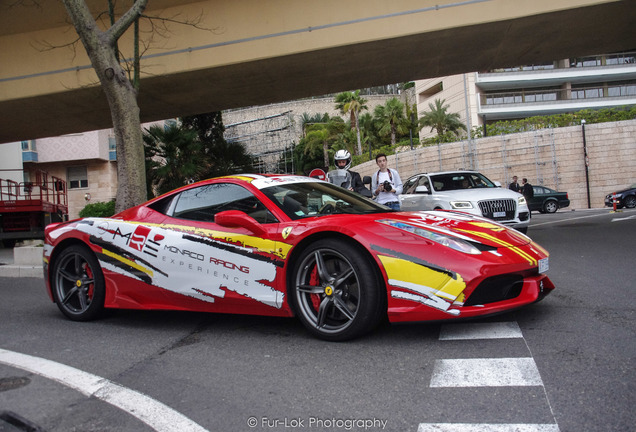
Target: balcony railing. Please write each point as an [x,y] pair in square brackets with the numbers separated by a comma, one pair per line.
[551,95]
[622,58]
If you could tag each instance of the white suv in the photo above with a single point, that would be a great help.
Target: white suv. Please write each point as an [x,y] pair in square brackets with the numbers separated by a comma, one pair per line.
[466,191]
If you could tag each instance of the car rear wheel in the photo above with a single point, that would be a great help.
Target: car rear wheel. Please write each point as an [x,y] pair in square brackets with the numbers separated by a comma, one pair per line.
[550,206]
[77,283]
[630,201]
[335,293]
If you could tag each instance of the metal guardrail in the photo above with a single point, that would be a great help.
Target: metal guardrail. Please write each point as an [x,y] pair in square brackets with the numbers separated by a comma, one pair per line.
[45,188]
[530,96]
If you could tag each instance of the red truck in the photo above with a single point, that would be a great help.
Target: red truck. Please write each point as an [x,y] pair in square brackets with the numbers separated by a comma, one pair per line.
[27,207]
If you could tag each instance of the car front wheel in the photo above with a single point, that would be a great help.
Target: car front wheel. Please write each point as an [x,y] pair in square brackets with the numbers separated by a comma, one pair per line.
[334,292]
[630,201]
[77,283]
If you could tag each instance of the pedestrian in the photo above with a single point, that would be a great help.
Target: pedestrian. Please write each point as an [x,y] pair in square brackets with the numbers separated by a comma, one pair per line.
[514,186]
[386,184]
[526,189]
[343,176]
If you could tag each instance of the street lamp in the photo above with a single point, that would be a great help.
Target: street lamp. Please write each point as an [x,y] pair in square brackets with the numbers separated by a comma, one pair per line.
[586,160]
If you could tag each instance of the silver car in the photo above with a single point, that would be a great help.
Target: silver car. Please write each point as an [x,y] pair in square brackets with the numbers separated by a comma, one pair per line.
[466,191]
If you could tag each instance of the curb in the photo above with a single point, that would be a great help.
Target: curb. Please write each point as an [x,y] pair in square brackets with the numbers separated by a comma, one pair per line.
[21,271]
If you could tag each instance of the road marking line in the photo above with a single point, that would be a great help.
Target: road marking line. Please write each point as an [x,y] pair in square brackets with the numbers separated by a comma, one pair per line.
[623,219]
[155,414]
[496,330]
[490,372]
[486,427]
[568,219]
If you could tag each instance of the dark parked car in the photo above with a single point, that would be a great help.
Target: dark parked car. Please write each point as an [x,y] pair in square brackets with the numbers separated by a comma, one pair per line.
[624,198]
[547,200]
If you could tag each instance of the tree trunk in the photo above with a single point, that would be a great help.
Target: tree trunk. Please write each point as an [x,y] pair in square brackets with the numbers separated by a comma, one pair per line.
[325,153]
[359,150]
[101,47]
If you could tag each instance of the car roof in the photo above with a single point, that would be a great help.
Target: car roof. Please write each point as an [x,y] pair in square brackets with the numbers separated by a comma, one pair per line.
[447,172]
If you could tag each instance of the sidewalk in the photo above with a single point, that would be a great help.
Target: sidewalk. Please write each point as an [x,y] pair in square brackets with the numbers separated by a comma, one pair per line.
[27,265]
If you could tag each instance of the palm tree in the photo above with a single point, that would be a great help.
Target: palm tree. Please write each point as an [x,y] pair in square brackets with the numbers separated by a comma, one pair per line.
[390,119]
[439,120]
[322,135]
[191,150]
[352,103]
[172,157]
[370,133]
[307,119]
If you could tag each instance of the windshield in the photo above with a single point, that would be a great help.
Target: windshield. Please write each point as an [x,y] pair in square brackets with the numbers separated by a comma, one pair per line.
[462,180]
[308,199]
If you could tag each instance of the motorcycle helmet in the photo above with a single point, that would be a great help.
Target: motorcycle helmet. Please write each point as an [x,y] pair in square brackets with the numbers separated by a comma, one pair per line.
[342,155]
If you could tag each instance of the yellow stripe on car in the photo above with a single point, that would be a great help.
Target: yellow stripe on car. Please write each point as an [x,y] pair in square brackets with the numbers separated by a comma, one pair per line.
[128,262]
[422,279]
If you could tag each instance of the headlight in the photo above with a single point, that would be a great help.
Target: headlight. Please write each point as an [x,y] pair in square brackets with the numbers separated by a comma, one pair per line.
[522,200]
[445,240]
[459,205]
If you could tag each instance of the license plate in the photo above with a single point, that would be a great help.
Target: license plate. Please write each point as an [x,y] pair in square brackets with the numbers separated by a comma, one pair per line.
[543,265]
[499,214]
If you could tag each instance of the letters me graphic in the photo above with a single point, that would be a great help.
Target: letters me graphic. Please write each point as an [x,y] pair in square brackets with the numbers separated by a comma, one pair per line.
[139,238]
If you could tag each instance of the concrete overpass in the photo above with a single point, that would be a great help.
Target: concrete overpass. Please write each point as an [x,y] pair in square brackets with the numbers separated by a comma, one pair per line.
[251,52]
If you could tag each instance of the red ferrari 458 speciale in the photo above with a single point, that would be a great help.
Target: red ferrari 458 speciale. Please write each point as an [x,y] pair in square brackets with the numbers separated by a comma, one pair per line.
[291,246]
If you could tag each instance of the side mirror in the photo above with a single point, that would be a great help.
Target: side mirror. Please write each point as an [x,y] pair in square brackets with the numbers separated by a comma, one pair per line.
[498,184]
[238,219]
[421,190]
[366,180]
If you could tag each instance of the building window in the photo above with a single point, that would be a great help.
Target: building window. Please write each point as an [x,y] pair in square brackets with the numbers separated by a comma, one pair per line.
[28,145]
[77,177]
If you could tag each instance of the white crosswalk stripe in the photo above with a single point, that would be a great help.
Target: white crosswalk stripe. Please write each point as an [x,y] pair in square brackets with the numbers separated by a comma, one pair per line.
[484,372]
[497,330]
[469,427]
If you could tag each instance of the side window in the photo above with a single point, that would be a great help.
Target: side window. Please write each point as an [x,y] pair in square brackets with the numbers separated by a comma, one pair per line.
[424,182]
[409,187]
[203,202]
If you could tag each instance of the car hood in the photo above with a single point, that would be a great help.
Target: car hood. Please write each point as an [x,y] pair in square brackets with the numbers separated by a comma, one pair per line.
[479,194]
[395,226]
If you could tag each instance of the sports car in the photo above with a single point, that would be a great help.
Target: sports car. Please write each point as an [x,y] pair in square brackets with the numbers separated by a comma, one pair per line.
[287,246]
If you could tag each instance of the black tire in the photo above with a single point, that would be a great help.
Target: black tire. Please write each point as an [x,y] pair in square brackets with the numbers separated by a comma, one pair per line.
[550,206]
[630,201]
[78,284]
[334,291]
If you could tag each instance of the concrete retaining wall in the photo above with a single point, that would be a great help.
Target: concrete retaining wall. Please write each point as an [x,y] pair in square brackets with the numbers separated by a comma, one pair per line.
[549,157]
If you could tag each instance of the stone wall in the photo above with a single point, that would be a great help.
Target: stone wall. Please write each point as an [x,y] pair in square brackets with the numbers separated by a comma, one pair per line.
[269,131]
[549,157]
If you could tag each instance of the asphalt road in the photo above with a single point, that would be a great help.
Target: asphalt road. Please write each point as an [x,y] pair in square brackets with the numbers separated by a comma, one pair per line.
[568,361]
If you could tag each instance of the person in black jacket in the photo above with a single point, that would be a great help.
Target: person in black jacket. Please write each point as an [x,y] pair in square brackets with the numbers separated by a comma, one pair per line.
[343,176]
[526,189]
[514,186]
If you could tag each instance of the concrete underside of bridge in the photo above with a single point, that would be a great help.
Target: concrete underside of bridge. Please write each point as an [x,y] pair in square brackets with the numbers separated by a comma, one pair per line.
[597,28]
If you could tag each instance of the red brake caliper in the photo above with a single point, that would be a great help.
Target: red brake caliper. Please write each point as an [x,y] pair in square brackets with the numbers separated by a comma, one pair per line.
[314,280]
[91,287]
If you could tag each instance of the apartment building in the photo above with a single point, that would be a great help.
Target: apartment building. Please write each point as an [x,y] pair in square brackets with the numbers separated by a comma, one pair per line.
[568,85]
[87,161]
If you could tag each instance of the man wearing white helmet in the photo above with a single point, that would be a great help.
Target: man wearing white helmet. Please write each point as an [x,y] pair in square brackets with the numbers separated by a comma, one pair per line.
[342,176]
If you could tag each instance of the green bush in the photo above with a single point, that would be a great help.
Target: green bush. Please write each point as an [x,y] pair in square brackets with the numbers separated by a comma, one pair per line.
[98,209]
[557,120]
